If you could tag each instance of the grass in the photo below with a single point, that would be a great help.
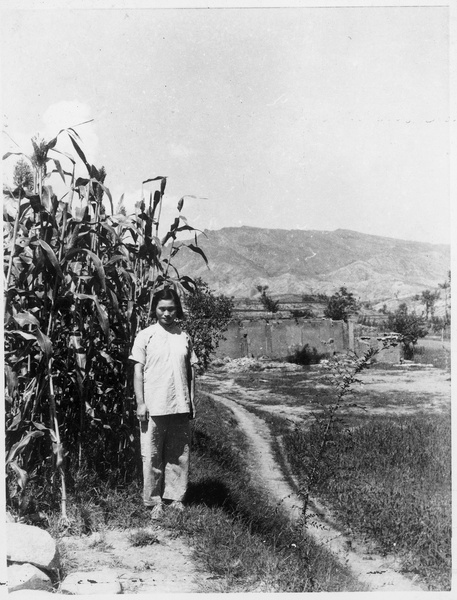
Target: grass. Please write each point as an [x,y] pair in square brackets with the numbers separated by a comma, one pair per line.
[391,480]
[142,537]
[99,542]
[435,355]
[387,477]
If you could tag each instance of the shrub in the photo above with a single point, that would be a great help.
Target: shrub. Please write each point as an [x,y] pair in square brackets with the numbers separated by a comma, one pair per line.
[207,317]
[341,305]
[266,300]
[306,356]
[410,326]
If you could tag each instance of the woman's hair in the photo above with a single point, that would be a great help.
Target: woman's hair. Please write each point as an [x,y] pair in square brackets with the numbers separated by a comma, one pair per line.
[168,294]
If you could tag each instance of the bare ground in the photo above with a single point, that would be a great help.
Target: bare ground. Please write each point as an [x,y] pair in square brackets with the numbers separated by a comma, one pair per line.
[165,566]
[409,390]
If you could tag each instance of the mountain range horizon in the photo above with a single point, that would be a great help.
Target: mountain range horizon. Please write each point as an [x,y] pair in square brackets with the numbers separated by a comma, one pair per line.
[296,261]
[375,235]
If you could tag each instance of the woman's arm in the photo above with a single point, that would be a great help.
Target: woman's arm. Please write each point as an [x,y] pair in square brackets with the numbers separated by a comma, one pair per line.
[141,409]
[191,388]
[192,384]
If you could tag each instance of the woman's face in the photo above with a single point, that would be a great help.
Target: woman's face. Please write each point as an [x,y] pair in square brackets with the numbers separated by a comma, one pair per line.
[166,312]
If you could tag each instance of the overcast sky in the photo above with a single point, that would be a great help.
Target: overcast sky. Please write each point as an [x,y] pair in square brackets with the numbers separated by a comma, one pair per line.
[292,118]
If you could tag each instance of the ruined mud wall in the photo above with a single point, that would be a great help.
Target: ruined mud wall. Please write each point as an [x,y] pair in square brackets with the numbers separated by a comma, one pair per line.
[282,337]
[391,355]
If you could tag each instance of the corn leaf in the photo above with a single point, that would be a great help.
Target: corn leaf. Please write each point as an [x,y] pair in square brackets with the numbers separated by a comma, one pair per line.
[115,259]
[198,251]
[52,257]
[24,334]
[26,318]
[187,283]
[157,198]
[8,154]
[69,156]
[80,153]
[18,447]
[21,475]
[153,179]
[95,259]
[44,342]
[101,313]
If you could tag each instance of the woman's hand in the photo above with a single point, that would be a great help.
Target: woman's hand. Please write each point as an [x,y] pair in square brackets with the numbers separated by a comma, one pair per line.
[142,412]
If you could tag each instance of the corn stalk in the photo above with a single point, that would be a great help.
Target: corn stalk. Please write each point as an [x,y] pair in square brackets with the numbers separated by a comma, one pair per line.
[82,271]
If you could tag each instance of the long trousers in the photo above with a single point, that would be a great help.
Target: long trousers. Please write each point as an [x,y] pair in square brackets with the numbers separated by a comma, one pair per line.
[165,450]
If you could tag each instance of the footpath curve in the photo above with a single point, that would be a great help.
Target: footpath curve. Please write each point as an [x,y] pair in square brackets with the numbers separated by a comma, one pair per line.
[380,573]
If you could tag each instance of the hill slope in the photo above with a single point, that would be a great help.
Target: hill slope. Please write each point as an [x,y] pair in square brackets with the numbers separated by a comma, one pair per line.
[296,262]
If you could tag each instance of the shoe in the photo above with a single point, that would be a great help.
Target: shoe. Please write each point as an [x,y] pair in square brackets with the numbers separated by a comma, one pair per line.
[177,505]
[156,512]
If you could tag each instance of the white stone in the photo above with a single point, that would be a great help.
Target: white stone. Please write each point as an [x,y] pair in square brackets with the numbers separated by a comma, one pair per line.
[91,582]
[26,595]
[29,544]
[27,577]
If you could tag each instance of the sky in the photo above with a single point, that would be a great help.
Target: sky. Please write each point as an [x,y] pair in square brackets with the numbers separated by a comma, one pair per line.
[303,117]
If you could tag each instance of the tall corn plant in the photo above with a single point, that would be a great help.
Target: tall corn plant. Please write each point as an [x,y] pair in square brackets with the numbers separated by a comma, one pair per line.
[78,285]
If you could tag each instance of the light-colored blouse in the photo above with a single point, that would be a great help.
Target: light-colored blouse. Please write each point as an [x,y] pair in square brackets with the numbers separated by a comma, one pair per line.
[167,358]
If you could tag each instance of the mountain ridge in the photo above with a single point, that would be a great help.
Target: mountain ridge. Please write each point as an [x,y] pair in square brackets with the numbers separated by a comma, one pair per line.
[311,261]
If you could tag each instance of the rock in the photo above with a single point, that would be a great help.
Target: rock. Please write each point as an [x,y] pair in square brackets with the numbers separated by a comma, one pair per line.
[25,595]
[91,582]
[29,544]
[27,577]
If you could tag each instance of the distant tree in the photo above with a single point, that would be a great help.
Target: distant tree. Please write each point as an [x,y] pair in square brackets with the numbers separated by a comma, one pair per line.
[383,310]
[428,299]
[341,305]
[207,318]
[409,325]
[446,287]
[266,300]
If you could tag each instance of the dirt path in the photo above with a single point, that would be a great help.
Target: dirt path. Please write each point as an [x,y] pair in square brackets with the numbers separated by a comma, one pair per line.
[380,573]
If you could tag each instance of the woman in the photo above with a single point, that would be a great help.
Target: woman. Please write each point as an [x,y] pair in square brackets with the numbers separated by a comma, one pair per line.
[163,382]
